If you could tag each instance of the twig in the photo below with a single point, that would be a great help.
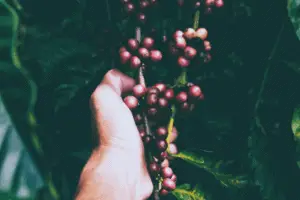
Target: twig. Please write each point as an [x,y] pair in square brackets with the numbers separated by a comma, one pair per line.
[196,19]
[264,81]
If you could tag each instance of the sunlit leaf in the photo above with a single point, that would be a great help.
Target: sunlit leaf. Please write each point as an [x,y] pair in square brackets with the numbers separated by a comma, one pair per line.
[186,192]
[213,167]
[294,13]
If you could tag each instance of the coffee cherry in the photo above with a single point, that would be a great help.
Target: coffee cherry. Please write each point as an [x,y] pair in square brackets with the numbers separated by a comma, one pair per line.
[160,86]
[163,103]
[207,46]
[135,62]
[125,57]
[153,90]
[189,33]
[161,145]
[155,55]
[183,62]
[162,132]
[180,42]
[177,34]
[219,3]
[141,18]
[195,91]
[180,2]
[133,44]
[207,58]
[197,4]
[201,33]
[122,49]
[182,97]
[167,172]
[190,52]
[138,118]
[206,43]
[142,133]
[163,192]
[148,42]
[125,1]
[144,53]
[209,2]
[165,163]
[152,112]
[185,107]
[174,178]
[173,149]
[131,102]
[168,184]
[163,155]
[208,10]
[152,99]
[139,90]
[147,139]
[153,2]
[144,4]
[129,8]
[169,94]
[154,167]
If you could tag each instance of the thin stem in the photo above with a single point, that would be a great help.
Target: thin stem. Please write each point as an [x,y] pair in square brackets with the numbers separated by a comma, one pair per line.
[108,10]
[182,79]
[263,84]
[171,123]
[196,19]
[138,34]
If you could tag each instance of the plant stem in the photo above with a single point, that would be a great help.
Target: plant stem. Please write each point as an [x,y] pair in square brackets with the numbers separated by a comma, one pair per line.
[182,79]
[196,19]
[171,123]
[138,34]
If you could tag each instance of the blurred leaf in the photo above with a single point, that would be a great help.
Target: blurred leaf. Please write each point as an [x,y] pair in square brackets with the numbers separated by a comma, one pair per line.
[294,14]
[186,192]
[296,123]
[8,196]
[296,131]
[213,167]
[19,95]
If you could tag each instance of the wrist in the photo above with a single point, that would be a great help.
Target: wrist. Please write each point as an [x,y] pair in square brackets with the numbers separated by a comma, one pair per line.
[112,175]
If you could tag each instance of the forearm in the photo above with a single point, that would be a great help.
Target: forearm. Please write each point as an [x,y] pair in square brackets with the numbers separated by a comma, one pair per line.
[110,176]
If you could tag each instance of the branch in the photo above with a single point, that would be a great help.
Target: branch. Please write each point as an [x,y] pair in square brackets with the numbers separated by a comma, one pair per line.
[264,81]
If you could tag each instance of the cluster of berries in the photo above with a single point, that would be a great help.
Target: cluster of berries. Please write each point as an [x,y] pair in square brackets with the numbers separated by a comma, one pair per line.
[209,4]
[135,54]
[138,9]
[182,46]
[155,102]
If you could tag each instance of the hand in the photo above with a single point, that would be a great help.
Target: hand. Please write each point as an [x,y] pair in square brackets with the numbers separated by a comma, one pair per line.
[117,168]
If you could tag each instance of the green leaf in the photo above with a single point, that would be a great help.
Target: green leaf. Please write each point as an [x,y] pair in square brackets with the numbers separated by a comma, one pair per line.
[19,95]
[296,131]
[296,123]
[186,192]
[213,167]
[294,14]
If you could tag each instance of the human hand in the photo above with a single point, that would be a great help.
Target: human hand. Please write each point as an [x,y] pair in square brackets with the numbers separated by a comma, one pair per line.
[117,167]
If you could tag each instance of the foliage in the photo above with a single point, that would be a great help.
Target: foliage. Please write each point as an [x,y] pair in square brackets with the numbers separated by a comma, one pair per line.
[251,91]
[186,192]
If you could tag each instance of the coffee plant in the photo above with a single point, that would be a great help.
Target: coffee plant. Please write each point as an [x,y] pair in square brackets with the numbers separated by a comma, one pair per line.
[225,73]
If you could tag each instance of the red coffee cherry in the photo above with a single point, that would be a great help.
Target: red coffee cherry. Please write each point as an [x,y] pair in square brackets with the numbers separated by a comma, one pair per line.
[131,102]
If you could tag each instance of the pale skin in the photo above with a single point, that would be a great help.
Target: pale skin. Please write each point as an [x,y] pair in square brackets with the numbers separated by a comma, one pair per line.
[116,169]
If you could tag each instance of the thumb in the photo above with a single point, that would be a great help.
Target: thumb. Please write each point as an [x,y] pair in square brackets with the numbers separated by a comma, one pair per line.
[113,121]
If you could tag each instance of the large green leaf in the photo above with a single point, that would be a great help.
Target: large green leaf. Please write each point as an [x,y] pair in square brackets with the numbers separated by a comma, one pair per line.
[18,90]
[296,130]
[186,192]
[294,13]
[213,167]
